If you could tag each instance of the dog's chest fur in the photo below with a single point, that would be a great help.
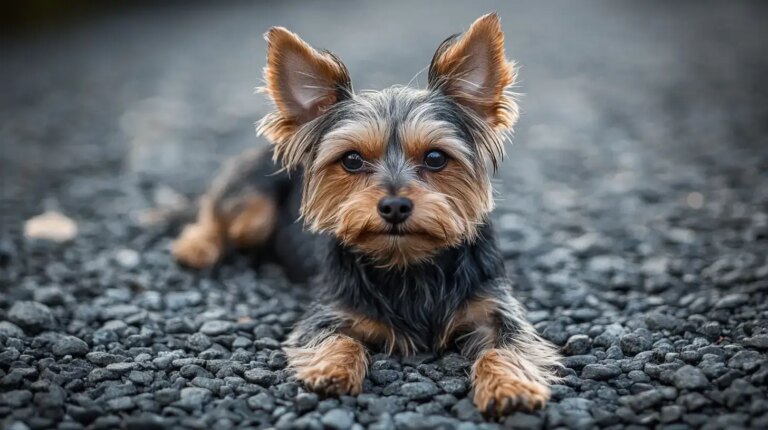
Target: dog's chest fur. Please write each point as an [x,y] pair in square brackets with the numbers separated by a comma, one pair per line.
[417,302]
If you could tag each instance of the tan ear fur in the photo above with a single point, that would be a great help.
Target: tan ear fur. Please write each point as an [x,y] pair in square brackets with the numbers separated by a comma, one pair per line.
[303,83]
[473,69]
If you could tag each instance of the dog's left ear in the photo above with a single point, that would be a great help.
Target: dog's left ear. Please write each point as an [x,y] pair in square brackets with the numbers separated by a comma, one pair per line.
[303,83]
[472,69]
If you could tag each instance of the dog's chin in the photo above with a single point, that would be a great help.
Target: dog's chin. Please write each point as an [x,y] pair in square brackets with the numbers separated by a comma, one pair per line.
[398,247]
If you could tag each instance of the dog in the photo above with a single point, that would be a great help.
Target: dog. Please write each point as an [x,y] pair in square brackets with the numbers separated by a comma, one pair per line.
[394,190]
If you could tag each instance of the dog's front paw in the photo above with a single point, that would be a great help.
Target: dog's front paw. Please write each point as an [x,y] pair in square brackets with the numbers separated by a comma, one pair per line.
[331,379]
[504,382]
[504,395]
[335,366]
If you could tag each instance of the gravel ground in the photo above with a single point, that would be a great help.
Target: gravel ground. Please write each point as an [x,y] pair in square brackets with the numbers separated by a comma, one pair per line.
[633,211]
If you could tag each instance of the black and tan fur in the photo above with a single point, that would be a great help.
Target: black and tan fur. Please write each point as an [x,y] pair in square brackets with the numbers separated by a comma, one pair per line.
[427,283]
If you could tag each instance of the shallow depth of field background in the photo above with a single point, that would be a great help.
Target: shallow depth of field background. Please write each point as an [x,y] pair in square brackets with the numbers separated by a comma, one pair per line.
[632,211]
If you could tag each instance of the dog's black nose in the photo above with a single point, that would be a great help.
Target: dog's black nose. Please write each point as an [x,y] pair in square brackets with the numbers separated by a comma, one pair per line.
[395,209]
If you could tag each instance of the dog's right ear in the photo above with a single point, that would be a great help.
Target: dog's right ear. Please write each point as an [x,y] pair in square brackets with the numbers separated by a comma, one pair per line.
[303,83]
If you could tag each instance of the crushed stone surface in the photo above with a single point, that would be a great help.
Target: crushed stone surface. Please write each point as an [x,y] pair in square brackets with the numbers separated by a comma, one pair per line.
[632,213]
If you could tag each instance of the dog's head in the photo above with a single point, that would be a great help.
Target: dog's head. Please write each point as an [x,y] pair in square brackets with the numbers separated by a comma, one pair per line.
[401,173]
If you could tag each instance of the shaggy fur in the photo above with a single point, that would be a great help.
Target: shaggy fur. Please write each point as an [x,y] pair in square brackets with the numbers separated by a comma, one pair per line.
[431,279]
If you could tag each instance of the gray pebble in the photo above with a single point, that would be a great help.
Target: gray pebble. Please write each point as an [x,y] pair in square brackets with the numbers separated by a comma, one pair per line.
[31,316]
[690,378]
[198,342]
[600,371]
[216,327]
[418,390]
[70,345]
[577,344]
[262,377]
[339,419]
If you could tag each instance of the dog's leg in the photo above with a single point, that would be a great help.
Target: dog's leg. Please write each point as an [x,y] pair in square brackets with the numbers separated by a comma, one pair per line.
[324,359]
[252,223]
[240,210]
[200,244]
[514,367]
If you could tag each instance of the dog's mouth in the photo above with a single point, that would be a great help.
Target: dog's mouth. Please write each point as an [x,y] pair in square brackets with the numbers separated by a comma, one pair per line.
[398,232]
[395,230]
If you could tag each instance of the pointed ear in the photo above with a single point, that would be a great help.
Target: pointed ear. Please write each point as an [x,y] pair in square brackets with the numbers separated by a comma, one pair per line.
[472,69]
[302,82]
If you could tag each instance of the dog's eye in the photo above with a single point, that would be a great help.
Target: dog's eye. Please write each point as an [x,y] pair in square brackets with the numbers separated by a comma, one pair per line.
[435,160]
[352,161]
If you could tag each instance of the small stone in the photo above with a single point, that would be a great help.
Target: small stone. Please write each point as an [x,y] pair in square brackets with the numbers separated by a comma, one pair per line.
[633,344]
[339,419]
[384,376]
[732,301]
[454,364]
[198,342]
[31,316]
[7,252]
[759,341]
[454,385]
[241,342]
[191,371]
[609,336]
[607,264]
[195,396]
[69,345]
[52,226]
[577,344]
[216,327]
[10,329]
[645,400]
[614,353]
[670,414]
[386,405]
[266,343]
[556,334]
[208,383]
[690,378]
[263,377]
[659,321]
[744,360]
[262,401]
[183,299]
[584,314]
[306,402]
[141,378]
[16,398]
[123,403]
[523,421]
[600,371]
[638,376]
[51,296]
[466,410]
[418,390]
[693,401]
[578,362]
[101,358]
[122,367]
[127,258]
[167,396]
[413,421]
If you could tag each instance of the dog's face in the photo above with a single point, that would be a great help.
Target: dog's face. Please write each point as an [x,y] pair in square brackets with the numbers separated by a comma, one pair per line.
[401,173]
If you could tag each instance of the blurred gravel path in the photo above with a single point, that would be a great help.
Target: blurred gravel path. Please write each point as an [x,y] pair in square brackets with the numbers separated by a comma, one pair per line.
[633,210]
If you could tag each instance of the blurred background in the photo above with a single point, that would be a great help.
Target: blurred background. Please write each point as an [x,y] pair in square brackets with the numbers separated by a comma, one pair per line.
[632,207]
[627,103]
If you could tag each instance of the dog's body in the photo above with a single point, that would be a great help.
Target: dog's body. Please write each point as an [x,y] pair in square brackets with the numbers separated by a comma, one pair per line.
[395,186]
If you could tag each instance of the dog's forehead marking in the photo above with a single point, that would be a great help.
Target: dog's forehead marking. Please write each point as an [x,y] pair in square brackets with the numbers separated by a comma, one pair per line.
[393,129]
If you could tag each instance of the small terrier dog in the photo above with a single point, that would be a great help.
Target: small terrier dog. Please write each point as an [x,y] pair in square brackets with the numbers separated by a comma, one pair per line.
[396,186]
